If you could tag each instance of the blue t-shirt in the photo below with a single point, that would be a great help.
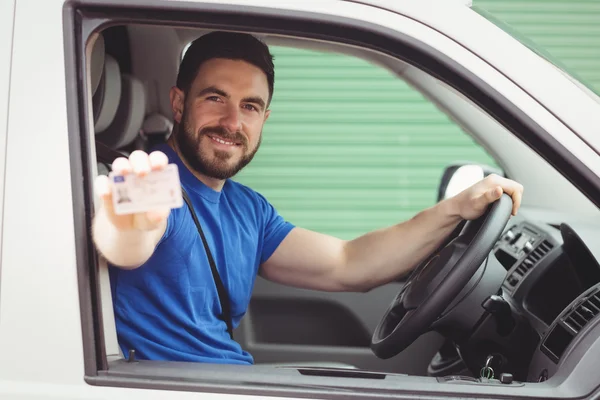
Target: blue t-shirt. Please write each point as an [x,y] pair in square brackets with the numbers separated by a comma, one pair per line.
[168,308]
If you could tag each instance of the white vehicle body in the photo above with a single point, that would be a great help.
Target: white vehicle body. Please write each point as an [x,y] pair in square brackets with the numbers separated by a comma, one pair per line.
[42,352]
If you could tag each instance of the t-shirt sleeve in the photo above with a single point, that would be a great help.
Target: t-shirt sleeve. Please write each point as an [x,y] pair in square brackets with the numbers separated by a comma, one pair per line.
[169,230]
[275,229]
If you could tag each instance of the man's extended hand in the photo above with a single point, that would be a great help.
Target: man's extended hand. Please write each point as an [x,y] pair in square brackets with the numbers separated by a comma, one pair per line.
[473,201]
[139,163]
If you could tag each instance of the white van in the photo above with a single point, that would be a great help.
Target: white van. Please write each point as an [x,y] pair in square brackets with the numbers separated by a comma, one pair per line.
[82,81]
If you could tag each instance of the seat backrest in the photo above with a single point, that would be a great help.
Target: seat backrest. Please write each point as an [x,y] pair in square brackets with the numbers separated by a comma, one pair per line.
[106,99]
[122,130]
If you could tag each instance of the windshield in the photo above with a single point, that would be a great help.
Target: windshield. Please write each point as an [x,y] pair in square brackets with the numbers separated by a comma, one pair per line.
[575,77]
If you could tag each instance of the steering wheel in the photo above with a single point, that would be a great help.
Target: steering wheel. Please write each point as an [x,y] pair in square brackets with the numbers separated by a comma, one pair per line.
[436,282]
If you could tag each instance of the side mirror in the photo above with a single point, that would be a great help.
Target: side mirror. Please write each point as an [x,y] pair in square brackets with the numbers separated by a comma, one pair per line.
[458,177]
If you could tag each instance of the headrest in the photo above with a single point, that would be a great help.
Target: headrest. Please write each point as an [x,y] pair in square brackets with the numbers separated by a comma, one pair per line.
[129,117]
[157,124]
[102,169]
[106,98]
[97,62]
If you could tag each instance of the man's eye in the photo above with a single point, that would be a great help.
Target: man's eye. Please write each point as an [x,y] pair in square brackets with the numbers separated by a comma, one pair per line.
[213,98]
[250,107]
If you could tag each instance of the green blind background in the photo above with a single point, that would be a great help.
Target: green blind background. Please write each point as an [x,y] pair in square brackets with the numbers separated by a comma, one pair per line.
[569,31]
[350,148]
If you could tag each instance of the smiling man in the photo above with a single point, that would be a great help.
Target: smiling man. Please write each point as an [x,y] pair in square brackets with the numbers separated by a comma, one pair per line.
[168,303]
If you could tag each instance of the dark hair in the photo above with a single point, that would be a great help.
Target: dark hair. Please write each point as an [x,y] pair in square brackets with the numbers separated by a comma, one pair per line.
[229,45]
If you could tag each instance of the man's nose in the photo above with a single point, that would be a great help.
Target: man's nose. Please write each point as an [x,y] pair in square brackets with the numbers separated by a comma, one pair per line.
[231,119]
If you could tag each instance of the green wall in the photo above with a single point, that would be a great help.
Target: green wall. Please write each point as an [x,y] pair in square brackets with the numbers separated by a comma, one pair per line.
[568,30]
[350,148]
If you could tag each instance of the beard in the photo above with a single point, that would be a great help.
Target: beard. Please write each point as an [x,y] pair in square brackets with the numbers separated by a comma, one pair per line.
[218,164]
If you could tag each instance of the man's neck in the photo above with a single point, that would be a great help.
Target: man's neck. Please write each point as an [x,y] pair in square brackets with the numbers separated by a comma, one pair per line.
[213,183]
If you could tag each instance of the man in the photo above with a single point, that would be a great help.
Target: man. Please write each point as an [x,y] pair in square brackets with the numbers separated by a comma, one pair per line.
[165,299]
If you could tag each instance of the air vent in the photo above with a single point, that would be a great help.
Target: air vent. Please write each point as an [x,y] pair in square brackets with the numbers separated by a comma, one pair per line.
[557,342]
[529,262]
[584,313]
[560,337]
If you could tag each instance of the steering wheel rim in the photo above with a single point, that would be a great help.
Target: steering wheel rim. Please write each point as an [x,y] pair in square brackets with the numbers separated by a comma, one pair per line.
[438,280]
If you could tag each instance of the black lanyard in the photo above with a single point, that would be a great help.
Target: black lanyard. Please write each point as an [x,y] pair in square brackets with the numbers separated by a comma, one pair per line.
[223,297]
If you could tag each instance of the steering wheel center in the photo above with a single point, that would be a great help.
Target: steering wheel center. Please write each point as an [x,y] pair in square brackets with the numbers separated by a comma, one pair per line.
[431,275]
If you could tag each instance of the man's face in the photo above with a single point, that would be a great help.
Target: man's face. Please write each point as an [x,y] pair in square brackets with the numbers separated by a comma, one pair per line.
[221,117]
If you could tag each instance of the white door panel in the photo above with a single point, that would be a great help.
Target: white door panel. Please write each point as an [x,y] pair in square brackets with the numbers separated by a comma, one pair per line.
[7,10]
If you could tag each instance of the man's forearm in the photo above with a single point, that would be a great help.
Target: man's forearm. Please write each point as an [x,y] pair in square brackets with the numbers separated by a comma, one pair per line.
[383,255]
[126,249]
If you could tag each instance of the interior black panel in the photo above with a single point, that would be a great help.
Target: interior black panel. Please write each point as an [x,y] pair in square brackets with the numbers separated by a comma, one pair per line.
[306,322]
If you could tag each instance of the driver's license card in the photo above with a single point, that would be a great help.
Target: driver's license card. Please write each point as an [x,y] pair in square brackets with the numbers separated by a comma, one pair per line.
[156,190]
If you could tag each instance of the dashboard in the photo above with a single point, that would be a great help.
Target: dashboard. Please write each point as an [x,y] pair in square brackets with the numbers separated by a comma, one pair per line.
[545,274]
[551,296]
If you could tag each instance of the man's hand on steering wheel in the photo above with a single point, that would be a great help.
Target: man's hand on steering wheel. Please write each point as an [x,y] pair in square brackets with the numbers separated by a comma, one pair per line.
[471,203]
[437,281]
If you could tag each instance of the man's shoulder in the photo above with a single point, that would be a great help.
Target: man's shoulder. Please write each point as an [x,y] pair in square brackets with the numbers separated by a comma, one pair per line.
[234,188]
[239,193]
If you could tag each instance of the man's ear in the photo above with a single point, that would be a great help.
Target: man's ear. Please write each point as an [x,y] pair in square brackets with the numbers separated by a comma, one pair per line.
[267,113]
[177,103]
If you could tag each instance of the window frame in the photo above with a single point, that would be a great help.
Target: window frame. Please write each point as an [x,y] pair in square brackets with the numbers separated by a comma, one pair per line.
[82,19]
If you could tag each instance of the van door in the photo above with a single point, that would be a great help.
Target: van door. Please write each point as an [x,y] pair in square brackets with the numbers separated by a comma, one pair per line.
[7,13]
